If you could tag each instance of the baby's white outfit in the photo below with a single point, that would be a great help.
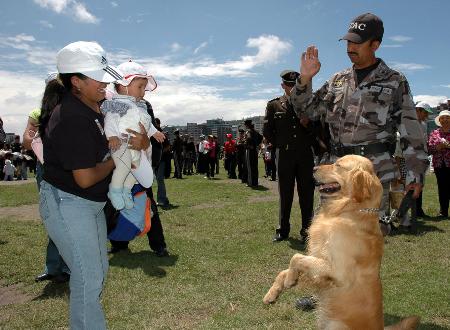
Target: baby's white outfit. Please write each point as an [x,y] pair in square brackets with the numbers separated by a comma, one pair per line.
[123,112]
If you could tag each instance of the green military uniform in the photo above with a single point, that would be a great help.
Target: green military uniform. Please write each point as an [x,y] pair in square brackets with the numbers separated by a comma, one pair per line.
[363,119]
[295,162]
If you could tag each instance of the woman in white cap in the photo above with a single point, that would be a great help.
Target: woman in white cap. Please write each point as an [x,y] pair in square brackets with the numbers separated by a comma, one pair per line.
[439,147]
[77,170]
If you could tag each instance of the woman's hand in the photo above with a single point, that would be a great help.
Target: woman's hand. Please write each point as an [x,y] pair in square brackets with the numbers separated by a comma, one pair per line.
[138,141]
[159,136]
[114,143]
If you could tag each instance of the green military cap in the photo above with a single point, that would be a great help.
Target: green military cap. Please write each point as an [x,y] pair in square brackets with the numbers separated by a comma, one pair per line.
[289,76]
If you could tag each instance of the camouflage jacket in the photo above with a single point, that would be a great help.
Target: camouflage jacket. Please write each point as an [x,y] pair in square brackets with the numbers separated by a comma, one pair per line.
[368,113]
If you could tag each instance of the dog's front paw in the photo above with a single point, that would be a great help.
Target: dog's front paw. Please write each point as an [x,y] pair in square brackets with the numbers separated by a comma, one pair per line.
[270,297]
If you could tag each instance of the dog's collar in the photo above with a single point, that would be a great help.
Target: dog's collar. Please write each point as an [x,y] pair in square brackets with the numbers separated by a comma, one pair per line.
[369,210]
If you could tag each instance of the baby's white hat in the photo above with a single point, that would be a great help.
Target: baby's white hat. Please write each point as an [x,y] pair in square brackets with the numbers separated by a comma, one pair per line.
[131,70]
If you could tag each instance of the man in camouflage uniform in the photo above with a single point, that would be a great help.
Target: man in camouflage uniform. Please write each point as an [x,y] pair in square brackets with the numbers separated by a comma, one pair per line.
[365,106]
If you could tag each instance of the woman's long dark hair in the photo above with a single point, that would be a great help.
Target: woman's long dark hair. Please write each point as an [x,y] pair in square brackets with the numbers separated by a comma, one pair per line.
[53,94]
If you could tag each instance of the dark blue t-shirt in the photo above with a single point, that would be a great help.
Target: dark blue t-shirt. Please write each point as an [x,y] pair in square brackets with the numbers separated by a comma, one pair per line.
[74,139]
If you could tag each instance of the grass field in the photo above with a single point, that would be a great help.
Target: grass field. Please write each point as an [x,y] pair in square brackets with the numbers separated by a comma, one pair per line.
[221,264]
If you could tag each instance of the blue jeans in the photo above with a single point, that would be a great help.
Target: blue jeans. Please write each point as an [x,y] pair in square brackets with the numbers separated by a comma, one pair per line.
[78,228]
[54,263]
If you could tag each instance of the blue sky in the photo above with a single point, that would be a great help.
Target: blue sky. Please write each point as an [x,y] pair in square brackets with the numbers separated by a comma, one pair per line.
[215,59]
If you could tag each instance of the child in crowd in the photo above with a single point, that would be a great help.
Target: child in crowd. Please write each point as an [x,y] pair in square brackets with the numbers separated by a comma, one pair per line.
[125,110]
[8,170]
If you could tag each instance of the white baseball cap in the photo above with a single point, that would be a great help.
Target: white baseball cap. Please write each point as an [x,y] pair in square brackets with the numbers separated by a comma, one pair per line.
[87,58]
[131,70]
[442,113]
[425,106]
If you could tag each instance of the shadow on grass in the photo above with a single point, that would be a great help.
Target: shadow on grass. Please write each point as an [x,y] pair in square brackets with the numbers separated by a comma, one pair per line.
[259,187]
[146,260]
[420,228]
[295,244]
[3,242]
[392,319]
[436,218]
[53,289]
[168,207]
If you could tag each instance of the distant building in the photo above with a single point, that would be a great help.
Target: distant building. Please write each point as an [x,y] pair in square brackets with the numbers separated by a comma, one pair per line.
[219,128]
[258,121]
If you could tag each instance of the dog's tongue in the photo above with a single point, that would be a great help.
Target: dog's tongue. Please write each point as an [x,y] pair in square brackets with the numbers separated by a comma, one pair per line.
[329,187]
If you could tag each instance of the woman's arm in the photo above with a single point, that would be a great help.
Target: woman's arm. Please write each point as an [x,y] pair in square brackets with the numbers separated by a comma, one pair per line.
[28,134]
[87,177]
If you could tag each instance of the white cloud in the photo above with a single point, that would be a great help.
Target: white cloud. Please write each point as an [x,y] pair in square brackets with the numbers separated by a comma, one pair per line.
[400,38]
[114,4]
[19,94]
[202,45]
[72,8]
[46,24]
[391,46]
[178,104]
[31,51]
[82,14]
[409,66]
[432,100]
[21,37]
[175,47]
[57,6]
[448,86]
[185,93]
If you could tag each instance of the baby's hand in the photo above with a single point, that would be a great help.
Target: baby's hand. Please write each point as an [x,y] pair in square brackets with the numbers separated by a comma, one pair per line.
[159,136]
[114,143]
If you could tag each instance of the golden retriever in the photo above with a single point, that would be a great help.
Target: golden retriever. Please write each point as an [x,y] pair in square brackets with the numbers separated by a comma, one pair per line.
[345,248]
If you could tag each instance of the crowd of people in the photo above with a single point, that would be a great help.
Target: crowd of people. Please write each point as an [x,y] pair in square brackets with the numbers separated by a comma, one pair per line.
[97,148]
[15,161]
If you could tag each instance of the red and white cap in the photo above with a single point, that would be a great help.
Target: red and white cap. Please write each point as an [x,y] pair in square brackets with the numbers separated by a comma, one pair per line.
[131,70]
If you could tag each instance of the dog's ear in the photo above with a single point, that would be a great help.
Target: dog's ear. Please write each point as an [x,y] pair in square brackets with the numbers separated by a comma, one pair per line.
[363,184]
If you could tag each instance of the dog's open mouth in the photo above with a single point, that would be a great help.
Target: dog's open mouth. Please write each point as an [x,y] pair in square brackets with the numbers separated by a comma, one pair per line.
[328,188]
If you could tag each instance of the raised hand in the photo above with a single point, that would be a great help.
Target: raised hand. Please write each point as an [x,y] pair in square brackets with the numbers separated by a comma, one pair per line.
[310,64]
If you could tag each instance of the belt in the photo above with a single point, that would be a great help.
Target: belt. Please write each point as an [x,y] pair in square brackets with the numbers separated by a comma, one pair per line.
[362,150]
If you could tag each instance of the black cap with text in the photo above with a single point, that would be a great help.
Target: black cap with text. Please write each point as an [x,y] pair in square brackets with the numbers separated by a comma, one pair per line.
[365,27]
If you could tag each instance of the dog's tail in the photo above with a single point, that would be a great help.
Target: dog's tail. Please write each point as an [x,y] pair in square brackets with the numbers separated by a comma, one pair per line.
[409,323]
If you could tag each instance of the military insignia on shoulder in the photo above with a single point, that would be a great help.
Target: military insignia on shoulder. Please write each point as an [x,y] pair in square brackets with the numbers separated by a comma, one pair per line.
[387,90]
[275,99]
[338,83]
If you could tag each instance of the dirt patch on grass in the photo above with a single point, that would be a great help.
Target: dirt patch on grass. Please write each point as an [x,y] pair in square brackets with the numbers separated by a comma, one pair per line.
[13,294]
[17,182]
[259,199]
[23,212]
[210,205]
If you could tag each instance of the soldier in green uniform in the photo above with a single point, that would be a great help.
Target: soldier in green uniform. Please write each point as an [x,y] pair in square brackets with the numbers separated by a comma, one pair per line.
[364,106]
[294,157]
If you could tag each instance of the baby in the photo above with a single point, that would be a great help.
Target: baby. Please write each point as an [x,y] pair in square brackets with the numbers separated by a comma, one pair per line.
[125,111]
